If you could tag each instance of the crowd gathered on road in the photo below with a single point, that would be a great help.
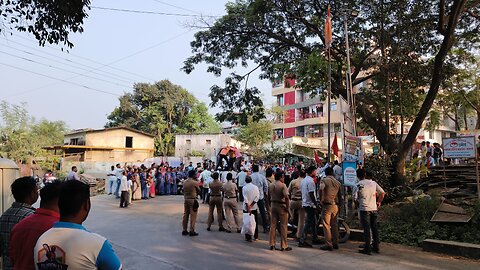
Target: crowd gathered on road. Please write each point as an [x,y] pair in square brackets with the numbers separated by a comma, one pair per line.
[244,194]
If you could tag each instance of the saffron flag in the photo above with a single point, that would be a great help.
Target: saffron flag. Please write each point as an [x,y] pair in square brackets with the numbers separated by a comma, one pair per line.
[335,146]
[317,159]
[328,29]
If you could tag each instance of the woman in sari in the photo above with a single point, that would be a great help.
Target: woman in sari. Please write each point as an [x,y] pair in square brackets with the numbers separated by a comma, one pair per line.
[151,180]
[137,188]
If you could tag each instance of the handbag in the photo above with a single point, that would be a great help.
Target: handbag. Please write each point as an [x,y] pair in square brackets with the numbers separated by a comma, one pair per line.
[249,224]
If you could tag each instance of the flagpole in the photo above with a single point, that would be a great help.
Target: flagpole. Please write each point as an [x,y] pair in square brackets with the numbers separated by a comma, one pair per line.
[329,93]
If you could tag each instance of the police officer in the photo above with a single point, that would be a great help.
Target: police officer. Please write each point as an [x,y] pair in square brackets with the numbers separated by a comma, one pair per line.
[278,194]
[296,200]
[190,190]
[330,199]
[230,192]
[215,202]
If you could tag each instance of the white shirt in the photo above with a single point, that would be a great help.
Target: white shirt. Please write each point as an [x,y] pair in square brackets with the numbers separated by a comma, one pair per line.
[119,173]
[261,182]
[124,183]
[307,186]
[366,193]
[250,194]
[72,176]
[241,176]
[111,175]
[337,172]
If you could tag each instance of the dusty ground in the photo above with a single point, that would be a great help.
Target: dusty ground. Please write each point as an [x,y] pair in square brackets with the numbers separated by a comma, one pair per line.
[147,235]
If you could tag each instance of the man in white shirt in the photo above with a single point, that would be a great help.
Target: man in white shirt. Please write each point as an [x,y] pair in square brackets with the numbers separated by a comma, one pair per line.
[205,177]
[368,196]
[118,174]
[124,190]
[261,182]
[112,180]
[337,171]
[73,175]
[310,205]
[251,196]
[241,181]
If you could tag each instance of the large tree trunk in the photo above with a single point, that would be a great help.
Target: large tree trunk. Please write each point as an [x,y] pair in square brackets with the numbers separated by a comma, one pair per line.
[398,166]
[477,126]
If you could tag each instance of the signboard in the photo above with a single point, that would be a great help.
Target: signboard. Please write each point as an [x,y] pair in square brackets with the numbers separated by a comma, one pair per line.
[376,149]
[349,173]
[461,147]
[353,149]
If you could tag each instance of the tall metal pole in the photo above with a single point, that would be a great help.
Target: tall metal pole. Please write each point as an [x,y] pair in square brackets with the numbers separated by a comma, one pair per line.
[329,91]
[350,98]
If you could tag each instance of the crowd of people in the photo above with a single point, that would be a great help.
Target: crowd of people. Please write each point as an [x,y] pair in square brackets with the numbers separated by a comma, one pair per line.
[52,236]
[274,194]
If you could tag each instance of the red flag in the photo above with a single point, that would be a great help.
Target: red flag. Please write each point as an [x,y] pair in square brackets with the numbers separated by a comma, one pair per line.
[317,159]
[328,29]
[335,145]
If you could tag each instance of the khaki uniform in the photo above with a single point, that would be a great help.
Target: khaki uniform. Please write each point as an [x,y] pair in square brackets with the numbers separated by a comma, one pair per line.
[268,204]
[331,190]
[295,191]
[215,201]
[190,190]
[278,192]
[230,204]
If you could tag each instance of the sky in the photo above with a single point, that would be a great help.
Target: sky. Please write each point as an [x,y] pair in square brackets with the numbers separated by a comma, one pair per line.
[117,49]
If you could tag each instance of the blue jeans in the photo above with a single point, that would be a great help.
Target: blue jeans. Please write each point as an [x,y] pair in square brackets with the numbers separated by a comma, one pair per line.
[369,223]
[117,188]
[174,189]
[144,190]
[112,184]
[310,224]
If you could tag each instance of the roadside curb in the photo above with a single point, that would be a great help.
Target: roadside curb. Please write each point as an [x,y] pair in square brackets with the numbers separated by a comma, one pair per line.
[467,250]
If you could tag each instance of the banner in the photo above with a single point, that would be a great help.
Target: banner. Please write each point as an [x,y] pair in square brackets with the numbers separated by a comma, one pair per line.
[461,147]
[353,149]
[349,173]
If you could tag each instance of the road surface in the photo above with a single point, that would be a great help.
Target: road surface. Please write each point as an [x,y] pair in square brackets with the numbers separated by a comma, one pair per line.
[147,235]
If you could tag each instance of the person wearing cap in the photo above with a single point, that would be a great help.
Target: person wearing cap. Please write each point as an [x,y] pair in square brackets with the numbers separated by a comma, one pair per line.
[230,205]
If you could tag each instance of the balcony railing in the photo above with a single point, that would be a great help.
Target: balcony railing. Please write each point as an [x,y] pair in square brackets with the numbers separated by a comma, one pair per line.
[309,115]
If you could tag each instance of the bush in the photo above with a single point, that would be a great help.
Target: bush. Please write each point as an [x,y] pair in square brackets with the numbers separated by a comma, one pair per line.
[409,224]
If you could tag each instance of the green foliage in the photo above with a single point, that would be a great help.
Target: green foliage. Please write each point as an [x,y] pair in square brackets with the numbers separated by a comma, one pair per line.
[409,224]
[255,135]
[49,21]
[195,153]
[162,109]
[433,121]
[22,138]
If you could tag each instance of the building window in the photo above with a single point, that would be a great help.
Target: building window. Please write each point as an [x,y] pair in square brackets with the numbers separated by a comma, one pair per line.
[280,100]
[128,142]
[209,142]
[431,135]
[74,141]
[333,106]
[188,141]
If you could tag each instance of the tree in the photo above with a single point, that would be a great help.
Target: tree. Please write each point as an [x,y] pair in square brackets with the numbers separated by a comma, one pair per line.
[162,109]
[255,134]
[22,138]
[48,21]
[283,37]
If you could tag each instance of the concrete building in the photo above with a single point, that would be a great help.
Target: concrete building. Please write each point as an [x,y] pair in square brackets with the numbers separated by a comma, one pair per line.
[202,145]
[93,151]
[302,115]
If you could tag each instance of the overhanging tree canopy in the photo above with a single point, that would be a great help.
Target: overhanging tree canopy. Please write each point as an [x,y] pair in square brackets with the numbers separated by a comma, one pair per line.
[400,41]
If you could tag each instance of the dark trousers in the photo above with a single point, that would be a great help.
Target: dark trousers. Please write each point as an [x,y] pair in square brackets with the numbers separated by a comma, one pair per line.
[263,214]
[205,195]
[124,199]
[117,188]
[240,193]
[255,235]
[369,223]
[310,224]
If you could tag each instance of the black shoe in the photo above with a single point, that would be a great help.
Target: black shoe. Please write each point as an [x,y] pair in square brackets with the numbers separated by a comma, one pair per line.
[222,229]
[325,247]
[304,244]
[193,233]
[228,231]
[335,247]
[361,246]
[249,240]
[376,250]
[208,229]
[286,249]
[184,233]
[239,231]
[272,248]
[364,251]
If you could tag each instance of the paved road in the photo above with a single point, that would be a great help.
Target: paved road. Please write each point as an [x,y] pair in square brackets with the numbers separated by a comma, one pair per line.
[147,235]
